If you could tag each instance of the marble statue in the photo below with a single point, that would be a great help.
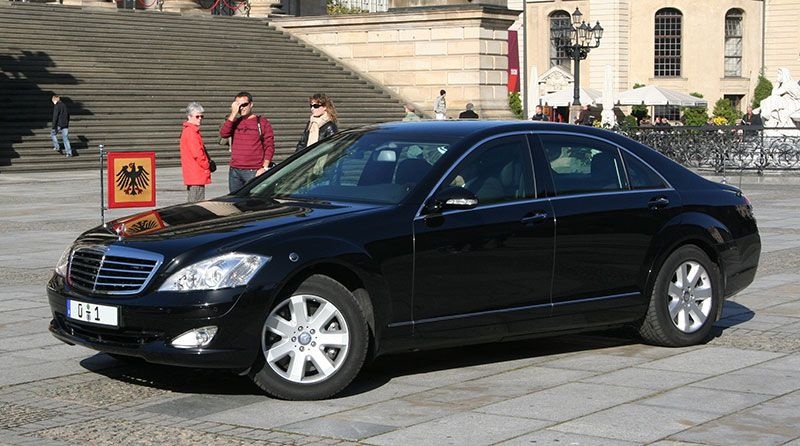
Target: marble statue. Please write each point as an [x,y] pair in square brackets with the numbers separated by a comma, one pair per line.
[782,108]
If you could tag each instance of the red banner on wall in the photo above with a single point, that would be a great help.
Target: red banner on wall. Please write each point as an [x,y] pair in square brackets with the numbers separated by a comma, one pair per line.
[513,62]
[131,179]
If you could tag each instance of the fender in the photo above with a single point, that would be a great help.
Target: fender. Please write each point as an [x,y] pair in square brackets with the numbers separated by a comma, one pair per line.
[295,258]
[692,227]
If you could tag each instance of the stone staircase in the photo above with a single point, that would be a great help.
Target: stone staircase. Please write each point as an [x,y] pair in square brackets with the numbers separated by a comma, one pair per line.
[127,75]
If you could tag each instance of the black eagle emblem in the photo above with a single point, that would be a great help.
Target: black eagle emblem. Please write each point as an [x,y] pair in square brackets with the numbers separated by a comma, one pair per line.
[132,180]
[143,226]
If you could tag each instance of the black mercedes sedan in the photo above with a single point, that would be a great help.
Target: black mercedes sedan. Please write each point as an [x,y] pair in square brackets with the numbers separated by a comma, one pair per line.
[412,235]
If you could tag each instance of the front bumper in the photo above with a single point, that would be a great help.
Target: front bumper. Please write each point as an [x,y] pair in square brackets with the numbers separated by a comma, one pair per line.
[149,322]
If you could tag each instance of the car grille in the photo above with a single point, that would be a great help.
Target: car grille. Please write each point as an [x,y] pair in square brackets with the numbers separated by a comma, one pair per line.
[112,269]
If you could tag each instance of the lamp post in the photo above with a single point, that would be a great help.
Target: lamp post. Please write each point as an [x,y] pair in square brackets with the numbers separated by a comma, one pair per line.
[577,39]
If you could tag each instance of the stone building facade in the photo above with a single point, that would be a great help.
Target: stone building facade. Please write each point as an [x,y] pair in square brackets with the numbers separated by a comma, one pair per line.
[715,48]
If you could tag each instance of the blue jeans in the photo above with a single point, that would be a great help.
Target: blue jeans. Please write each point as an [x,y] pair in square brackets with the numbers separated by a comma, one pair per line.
[64,137]
[237,177]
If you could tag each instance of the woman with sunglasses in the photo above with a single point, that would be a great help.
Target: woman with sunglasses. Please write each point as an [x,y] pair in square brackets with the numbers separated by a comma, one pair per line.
[321,124]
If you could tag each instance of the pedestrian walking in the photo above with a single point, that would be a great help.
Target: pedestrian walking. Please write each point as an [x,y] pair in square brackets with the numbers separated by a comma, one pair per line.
[252,142]
[195,163]
[321,124]
[440,106]
[60,125]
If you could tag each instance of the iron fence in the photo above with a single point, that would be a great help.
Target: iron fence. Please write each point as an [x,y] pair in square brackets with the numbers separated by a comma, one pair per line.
[720,148]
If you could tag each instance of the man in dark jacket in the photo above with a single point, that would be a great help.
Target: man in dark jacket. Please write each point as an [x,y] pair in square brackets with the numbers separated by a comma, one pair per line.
[469,113]
[539,115]
[60,125]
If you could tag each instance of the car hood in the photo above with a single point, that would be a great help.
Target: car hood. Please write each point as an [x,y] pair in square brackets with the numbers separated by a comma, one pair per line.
[227,217]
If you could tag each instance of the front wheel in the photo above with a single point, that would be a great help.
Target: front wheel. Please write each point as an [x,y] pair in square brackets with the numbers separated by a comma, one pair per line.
[684,301]
[313,342]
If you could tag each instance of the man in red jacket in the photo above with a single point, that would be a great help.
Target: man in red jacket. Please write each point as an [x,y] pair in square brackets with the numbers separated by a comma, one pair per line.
[194,158]
[252,144]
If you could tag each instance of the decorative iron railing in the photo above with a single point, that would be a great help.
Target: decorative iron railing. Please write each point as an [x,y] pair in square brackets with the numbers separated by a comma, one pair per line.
[720,148]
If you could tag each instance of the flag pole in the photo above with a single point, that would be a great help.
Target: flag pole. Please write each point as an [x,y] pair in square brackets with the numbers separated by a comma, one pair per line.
[102,188]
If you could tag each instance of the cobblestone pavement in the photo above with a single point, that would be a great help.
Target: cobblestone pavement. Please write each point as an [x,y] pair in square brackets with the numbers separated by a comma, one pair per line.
[605,388]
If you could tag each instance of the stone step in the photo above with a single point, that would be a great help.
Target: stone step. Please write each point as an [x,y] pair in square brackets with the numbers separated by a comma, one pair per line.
[126,77]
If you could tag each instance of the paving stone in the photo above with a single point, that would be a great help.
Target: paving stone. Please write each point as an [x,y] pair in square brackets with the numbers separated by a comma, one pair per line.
[756,379]
[338,428]
[636,423]
[397,412]
[553,437]
[197,406]
[774,422]
[460,429]
[715,401]
[273,413]
[711,360]
[566,401]
[645,378]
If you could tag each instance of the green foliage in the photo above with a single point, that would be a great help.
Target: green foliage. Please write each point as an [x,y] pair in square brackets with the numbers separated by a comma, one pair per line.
[639,111]
[763,90]
[515,103]
[336,8]
[695,116]
[629,122]
[724,109]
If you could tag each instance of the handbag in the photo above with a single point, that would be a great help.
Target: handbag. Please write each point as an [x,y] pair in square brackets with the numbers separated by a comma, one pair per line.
[212,165]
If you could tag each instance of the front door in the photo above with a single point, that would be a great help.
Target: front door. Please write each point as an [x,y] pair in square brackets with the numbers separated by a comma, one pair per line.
[486,271]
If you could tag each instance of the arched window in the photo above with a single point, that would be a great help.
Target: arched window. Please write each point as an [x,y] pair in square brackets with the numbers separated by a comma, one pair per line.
[668,43]
[733,43]
[559,21]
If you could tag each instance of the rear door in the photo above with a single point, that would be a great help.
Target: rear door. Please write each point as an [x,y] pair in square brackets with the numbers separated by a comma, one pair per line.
[608,206]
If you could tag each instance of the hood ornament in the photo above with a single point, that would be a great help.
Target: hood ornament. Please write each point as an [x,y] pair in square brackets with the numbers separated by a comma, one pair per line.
[120,230]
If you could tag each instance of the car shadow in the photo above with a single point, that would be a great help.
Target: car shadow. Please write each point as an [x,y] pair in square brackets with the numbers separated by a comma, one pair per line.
[373,376]
[733,314]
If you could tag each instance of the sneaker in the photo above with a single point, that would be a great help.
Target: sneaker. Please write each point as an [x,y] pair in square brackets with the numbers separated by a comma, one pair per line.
[69,155]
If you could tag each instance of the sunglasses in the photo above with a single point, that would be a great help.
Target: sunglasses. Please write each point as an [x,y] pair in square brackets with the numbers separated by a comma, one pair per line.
[244,104]
[316,105]
[199,116]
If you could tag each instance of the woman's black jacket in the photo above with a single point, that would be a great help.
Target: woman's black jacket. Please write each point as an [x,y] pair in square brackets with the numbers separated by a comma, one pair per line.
[326,131]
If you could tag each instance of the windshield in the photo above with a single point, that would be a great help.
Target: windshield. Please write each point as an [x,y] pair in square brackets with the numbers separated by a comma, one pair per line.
[366,166]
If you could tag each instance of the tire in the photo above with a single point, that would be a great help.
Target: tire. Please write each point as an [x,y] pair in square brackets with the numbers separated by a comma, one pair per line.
[313,342]
[685,299]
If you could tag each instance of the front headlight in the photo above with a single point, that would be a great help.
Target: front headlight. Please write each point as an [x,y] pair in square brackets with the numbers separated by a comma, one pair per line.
[225,271]
[63,262]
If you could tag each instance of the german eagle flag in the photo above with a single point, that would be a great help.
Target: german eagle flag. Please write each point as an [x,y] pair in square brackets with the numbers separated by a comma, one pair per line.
[131,179]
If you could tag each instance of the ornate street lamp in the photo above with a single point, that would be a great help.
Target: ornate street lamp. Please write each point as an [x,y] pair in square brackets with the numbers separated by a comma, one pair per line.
[577,40]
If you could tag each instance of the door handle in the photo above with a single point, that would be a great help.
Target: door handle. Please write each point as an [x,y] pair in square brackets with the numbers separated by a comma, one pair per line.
[534,217]
[658,203]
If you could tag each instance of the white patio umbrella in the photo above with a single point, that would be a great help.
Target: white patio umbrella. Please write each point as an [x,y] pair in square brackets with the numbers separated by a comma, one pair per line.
[655,95]
[563,98]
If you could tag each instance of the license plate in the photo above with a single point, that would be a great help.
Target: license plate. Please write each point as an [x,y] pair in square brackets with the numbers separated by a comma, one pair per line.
[96,314]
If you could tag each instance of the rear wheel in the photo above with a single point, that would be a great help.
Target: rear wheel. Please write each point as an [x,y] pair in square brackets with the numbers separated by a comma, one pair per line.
[313,342]
[684,301]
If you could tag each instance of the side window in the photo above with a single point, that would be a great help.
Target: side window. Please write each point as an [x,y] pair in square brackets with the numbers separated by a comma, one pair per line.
[583,165]
[497,172]
[641,175]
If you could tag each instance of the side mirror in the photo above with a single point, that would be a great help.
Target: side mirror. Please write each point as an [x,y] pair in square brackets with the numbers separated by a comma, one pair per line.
[451,198]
